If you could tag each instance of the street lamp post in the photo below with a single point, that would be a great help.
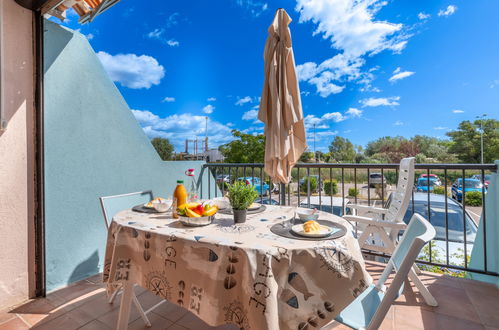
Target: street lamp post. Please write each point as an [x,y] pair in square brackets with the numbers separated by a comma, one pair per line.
[481,135]
[315,152]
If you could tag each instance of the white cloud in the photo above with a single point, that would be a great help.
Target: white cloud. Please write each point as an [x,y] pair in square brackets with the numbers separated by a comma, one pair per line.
[306,71]
[457,111]
[334,116]
[244,100]
[211,99]
[326,133]
[230,124]
[172,20]
[179,127]
[398,123]
[381,101]
[145,117]
[398,74]
[351,27]
[324,85]
[250,115]
[451,9]
[256,8]
[132,71]
[156,34]
[422,16]
[89,36]
[354,113]
[208,109]
[172,43]
[494,83]
[168,99]
[440,128]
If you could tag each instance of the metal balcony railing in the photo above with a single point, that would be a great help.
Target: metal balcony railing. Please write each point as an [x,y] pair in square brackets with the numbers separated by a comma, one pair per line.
[331,187]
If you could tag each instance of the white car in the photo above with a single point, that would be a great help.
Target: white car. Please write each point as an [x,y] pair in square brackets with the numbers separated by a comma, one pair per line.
[435,213]
[375,179]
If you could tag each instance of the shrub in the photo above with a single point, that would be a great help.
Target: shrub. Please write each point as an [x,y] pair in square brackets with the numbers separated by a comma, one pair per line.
[473,198]
[391,177]
[331,187]
[241,195]
[352,192]
[313,184]
[439,190]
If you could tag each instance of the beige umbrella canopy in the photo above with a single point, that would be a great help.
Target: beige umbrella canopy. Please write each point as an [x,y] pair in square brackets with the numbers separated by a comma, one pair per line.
[280,106]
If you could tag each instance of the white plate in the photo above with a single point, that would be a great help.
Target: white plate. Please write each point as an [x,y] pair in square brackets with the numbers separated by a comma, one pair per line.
[254,206]
[323,232]
[152,206]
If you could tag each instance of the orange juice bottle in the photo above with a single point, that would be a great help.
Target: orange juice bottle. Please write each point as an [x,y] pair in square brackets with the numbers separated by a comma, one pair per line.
[179,197]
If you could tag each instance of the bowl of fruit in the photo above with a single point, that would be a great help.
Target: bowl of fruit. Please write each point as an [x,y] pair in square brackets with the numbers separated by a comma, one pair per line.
[197,214]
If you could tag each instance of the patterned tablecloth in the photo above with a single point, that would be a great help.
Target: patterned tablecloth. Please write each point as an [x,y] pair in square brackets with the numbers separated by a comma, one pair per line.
[241,274]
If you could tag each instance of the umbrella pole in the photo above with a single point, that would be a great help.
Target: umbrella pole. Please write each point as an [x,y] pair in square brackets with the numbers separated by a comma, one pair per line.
[282,194]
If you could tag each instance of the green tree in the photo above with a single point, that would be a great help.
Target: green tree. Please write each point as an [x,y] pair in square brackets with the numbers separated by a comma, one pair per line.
[391,149]
[163,147]
[342,150]
[246,148]
[466,141]
[307,157]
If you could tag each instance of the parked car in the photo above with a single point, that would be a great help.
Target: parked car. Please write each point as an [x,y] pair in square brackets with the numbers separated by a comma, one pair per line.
[375,179]
[261,188]
[223,178]
[469,185]
[486,179]
[434,177]
[435,213]
[320,183]
[423,184]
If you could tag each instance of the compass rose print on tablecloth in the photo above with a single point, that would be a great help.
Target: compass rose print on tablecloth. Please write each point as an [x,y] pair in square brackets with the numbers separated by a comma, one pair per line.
[335,257]
[236,229]
[158,284]
[235,313]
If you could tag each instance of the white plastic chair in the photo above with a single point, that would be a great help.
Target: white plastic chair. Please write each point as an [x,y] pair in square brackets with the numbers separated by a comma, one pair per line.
[112,205]
[369,309]
[385,224]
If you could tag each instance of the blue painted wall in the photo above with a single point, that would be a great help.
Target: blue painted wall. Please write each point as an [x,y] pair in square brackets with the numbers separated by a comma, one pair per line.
[93,147]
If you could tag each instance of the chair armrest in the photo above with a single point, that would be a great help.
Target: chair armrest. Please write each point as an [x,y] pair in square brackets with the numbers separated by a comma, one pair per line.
[372,209]
[373,222]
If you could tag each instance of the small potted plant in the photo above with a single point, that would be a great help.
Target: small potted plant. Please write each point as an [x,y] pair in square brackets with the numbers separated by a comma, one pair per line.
[241,196]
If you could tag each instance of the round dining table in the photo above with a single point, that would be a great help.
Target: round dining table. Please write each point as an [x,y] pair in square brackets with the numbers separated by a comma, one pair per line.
[243,274]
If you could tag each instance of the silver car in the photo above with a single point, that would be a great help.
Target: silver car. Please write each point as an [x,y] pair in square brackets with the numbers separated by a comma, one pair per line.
[376,179]
[434,211]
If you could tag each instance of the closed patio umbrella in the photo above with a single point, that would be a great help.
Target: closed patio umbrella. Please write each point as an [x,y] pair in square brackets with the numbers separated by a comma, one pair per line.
[280,105]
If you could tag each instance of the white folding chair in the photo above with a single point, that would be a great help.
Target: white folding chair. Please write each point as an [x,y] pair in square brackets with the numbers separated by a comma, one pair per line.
[112,205]
[380,229]
[369,309]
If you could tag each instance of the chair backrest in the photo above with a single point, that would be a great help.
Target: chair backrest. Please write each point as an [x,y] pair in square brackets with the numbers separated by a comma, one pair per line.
[418,233]
[400,198]
[113,204]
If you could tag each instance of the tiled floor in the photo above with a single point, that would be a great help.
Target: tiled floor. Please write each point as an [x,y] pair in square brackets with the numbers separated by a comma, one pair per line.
[463,304]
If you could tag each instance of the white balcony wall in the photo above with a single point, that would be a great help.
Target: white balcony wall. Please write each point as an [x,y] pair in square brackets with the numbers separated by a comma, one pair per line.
[16,153]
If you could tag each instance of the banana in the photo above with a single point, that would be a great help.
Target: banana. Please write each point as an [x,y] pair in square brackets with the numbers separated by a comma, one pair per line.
[191,214]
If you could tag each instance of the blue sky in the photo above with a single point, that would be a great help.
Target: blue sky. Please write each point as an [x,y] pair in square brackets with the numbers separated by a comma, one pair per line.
[367,68]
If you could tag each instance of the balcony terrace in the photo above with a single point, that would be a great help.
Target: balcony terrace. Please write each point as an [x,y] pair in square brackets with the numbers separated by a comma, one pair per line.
[463,304]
